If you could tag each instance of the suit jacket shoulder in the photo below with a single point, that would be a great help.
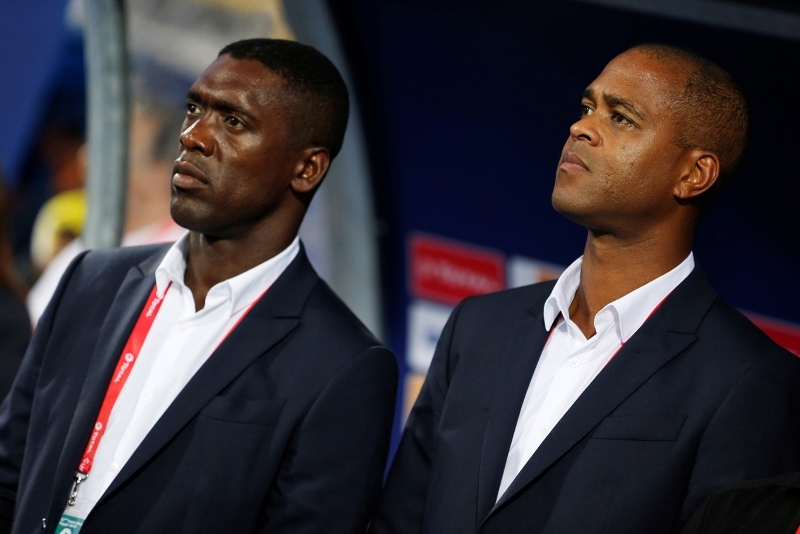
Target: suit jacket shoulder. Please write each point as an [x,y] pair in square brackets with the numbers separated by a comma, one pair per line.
[510,302]
[739,338]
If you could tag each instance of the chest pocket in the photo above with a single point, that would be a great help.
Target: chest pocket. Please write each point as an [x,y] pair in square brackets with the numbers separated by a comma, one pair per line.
[641,427]
[237,410]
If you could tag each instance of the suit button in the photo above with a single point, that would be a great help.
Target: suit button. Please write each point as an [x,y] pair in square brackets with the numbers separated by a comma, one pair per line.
[44,523]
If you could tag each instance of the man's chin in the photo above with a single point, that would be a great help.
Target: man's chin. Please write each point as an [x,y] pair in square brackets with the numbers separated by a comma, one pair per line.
[574,211]
[565,205]
[188,219]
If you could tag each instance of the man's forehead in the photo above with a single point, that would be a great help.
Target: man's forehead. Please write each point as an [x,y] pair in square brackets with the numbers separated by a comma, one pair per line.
[639,78]
[648,65]
[248,66]
[248,79]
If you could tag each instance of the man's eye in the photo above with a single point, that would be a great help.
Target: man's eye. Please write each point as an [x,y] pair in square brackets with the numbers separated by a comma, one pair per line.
[621,119]
[191,108]
[586,110]
[233,121]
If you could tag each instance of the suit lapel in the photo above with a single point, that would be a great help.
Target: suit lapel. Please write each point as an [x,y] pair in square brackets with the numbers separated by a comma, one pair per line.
[119,321]
[270,320]
[516,369]
[666,334]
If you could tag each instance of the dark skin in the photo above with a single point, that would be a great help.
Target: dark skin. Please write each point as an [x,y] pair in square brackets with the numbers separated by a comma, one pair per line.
[239,185]
[622,177]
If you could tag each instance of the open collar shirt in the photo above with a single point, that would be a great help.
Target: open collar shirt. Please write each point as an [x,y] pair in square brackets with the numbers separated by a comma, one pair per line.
[569,362]
[180,341]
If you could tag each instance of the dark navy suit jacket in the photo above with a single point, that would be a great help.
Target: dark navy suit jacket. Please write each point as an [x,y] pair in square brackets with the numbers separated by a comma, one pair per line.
[284,429]
[697,399]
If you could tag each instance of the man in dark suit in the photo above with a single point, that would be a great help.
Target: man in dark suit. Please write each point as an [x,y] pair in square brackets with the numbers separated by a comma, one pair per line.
[215,385]
[617,398]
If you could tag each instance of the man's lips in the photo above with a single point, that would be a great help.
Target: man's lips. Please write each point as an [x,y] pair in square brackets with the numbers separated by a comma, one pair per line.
[186,175]
[572,162]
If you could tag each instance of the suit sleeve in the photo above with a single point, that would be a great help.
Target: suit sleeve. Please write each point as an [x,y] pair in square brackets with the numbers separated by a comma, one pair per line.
[16,408]
[336,462]
[755,433]
[401,506]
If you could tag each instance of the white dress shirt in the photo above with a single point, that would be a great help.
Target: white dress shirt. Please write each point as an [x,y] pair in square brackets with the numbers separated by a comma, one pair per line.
[180,341]
[569,362]
[45,286]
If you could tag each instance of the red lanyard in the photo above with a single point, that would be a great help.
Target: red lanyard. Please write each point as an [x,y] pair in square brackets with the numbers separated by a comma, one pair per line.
[123,370]
[121,373]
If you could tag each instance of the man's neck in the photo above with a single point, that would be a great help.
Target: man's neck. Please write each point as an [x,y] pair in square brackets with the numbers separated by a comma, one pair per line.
[611,269]
[211,261]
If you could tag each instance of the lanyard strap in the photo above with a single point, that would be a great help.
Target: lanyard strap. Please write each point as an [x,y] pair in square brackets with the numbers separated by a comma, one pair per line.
[239,320]
[130,353]
[121,373]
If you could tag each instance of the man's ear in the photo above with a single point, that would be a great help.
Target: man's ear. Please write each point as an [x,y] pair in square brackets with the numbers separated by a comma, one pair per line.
[702,172]
[310,170]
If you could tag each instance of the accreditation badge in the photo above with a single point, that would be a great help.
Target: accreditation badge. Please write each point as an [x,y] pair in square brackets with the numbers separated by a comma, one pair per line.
[69,524]
[73,517]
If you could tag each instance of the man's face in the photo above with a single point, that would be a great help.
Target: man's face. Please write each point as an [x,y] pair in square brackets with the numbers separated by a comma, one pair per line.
[236,163]
[619,166]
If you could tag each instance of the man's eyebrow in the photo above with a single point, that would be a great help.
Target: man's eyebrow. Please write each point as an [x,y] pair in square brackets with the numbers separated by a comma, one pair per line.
[614,101]
[221,105]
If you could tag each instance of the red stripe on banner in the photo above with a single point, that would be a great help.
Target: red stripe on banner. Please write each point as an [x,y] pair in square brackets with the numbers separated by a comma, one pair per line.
[784,333]
[448,272]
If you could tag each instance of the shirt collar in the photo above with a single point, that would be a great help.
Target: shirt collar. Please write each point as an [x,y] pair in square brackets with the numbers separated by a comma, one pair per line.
[631,310]
[243,289]
[173,266]
[564,291]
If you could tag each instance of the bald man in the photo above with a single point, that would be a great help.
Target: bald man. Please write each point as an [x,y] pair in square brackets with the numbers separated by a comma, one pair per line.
[618,397]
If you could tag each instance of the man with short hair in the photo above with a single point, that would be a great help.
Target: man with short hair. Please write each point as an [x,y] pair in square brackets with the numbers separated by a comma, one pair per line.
[215,385]
[617,398]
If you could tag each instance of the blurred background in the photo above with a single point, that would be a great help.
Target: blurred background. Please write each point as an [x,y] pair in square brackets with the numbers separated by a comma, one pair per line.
[442,189]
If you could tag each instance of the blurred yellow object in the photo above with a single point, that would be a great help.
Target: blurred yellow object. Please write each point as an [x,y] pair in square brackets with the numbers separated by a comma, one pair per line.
[280,28]
[59,221]
[414,383]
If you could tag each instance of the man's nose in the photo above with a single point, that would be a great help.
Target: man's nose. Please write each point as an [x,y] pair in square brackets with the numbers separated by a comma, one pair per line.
[196,137]
[584,129]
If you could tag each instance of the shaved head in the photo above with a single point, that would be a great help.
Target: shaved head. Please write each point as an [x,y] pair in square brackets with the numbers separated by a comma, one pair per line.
[318,94]
[709,108]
